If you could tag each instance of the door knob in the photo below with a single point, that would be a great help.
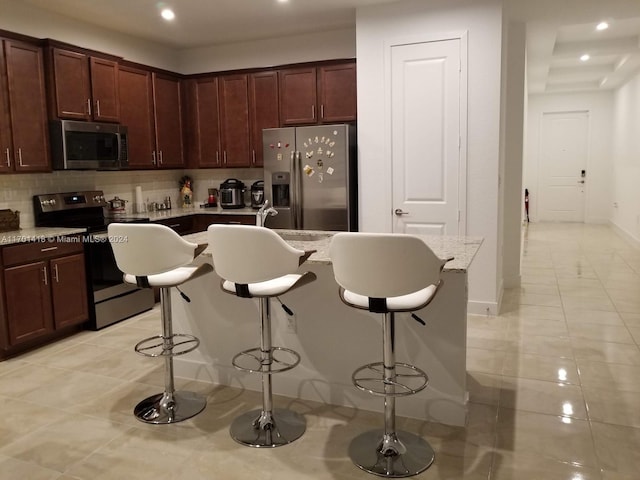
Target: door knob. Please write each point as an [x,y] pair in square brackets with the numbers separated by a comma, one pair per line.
[399,212]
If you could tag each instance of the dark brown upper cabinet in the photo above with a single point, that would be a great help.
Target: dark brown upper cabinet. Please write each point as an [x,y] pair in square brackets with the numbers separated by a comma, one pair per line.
[233,98]
[136,112]
[203,124]
[264,112]
[24,138]
[82,87]
[151,108]
[337,93]
[167,103]
[298,97]
[322,94]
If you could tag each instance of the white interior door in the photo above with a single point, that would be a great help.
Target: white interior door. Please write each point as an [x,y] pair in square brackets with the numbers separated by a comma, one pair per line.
[564,140]
[425,136]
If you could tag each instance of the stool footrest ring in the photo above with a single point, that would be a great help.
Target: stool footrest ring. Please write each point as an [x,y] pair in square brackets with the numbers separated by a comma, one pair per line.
[409,380]
[155,347]
[277,365]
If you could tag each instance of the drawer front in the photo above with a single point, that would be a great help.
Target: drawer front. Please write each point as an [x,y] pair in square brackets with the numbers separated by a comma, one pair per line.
[28,252]
[182,225]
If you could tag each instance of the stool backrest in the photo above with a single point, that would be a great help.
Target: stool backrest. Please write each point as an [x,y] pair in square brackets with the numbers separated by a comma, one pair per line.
[383,265]
[147,249]
[250,254]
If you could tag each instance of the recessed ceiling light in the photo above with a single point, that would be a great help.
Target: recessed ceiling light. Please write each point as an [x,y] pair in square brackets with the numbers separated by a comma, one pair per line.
[283,1]
[167,14]
[585,57]
[602,26]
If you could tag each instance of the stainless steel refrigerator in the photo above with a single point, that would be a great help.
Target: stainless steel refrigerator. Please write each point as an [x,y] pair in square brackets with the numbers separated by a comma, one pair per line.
[310,177]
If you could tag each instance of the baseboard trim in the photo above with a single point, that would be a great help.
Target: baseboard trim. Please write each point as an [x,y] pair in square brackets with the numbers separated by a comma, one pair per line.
[625,234]
[482,308]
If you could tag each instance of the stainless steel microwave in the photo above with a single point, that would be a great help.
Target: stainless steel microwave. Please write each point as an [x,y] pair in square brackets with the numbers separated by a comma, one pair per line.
[88,145]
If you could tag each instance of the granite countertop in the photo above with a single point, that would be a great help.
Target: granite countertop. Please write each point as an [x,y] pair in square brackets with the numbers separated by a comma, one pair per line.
[463,249]
[183,212]
[36,234]
[33,234]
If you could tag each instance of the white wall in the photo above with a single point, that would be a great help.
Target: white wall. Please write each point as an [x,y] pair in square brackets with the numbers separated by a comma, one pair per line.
[626,159]
[483,22]
[513,119]
[22,18]
[270,52]
[598,186]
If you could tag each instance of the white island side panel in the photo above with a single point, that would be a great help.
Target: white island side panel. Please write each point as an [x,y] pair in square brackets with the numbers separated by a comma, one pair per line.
[332,340]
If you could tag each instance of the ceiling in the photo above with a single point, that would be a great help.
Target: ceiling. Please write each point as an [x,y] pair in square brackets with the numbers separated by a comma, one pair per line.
[554,51]
[558,32]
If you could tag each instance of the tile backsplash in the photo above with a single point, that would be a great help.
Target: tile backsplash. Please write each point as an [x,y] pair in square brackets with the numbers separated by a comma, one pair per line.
[17,191]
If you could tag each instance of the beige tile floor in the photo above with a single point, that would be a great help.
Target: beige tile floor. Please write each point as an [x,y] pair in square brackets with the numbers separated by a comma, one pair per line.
[554,385]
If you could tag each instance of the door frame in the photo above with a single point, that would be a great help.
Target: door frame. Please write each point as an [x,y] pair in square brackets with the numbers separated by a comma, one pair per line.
[536,216]
[462,36]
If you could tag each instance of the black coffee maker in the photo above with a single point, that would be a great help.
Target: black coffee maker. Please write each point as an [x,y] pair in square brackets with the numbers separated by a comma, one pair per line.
[257,194]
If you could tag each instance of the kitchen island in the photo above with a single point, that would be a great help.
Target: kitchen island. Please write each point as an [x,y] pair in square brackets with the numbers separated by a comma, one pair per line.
[331,338]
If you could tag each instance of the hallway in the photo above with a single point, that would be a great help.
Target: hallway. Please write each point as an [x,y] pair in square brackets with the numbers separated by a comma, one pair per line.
[554,385]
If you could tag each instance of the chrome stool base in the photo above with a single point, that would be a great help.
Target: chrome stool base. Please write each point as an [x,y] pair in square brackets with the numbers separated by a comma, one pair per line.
[365,452]
[160,410]
[287,426]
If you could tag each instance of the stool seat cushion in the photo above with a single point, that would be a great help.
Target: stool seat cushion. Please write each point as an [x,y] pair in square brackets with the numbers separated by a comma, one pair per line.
[403,303]
[172,278]
[273,287]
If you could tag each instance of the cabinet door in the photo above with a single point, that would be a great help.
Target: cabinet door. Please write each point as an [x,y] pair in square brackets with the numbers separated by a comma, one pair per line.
[6,160]
[69,290]
[104,90]
[234,120]
[28,302]
[337,93]
[263,99]
[168,116]
[28,107]
[203,129]
[70,85]
[136,113]
[297,96]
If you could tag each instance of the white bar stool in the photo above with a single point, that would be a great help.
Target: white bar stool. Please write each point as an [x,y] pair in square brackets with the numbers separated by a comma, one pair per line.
[156,256]
[387,273]
[255,262]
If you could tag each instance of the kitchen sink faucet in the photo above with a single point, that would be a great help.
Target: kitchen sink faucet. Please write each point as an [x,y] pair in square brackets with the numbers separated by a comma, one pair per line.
[264,212]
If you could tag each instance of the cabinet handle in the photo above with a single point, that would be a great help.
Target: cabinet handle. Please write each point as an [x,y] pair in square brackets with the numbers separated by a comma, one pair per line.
[55,273]
[322,111]
[160,157]
[44,275]
[253,155]
[89,106]
[8,157]
[313,112]
[174,225]
[97,108]
[153,157]
[20,157]
[217,157]
[224,157]
[48,249]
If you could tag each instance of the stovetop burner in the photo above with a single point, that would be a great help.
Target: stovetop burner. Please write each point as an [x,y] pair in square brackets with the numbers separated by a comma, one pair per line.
[81,209]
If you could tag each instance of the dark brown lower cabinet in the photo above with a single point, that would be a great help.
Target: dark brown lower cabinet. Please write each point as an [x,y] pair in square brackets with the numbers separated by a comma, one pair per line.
[28,299]
[44,291]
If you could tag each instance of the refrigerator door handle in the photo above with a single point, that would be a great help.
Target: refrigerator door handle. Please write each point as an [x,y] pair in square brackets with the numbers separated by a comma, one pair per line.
[293,190]
[299,205]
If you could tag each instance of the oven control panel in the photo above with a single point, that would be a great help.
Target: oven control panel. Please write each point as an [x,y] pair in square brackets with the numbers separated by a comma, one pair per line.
[52,202]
